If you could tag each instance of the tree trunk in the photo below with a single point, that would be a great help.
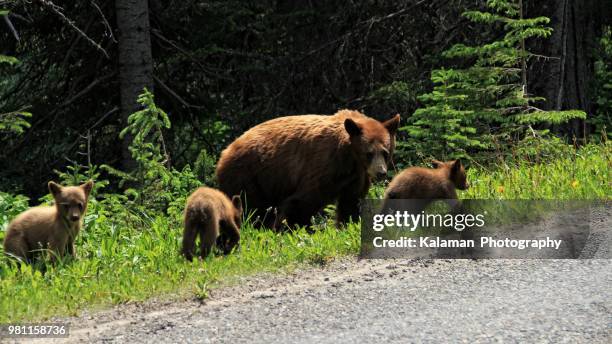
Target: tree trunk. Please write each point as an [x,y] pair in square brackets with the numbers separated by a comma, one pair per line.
[565,78]
[135,61]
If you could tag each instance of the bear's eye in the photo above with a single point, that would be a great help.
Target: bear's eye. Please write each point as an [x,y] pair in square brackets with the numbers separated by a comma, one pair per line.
[80,205]
[369,156]
[385,155]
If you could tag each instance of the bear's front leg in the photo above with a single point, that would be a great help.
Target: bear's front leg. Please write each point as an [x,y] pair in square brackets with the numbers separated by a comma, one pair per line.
[347,209]
[296,211]
[56,248]
[70,249]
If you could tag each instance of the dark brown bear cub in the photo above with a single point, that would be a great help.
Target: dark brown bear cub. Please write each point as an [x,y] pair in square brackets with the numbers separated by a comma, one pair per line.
[428,184]
[53,228]
[212,216]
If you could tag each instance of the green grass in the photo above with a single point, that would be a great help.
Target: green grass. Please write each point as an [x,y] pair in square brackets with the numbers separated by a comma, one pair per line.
[579,174]
[119,263]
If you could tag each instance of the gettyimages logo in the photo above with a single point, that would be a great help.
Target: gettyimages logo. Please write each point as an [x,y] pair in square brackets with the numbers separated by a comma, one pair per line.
[412,221]
[486,229]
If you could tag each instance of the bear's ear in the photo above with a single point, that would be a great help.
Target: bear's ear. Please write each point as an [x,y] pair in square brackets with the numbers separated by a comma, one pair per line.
[352,128]
[456,166]
[237,202]
[392,124]
[436,163]
[87,187]
[54,188]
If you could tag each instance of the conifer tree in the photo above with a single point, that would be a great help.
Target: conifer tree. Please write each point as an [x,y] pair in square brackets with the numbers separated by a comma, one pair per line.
[486,104]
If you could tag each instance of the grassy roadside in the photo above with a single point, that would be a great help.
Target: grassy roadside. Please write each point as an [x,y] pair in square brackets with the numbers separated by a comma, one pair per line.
[118,264]
[577,174]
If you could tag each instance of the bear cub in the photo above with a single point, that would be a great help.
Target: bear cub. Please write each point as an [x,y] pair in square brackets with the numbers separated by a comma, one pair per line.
[216,219]
[49,227]
[440,182]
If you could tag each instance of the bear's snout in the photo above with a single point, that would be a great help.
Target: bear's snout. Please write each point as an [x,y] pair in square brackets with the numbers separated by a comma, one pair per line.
[378,167]
[377,172]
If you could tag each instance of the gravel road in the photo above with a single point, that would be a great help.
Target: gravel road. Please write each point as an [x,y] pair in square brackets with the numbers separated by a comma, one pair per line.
[398,301]
[392,300]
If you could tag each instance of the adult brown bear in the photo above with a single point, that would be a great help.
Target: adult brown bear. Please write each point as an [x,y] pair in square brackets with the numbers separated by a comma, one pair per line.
[298,164]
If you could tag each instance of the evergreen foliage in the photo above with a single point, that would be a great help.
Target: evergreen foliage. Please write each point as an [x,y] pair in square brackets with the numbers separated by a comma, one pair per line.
[485,105]
[153,185]
[603,85]
[14,121]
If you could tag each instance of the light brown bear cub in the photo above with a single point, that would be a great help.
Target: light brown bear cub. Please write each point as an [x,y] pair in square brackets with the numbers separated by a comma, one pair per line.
[49,227]
[210,214]
[422,183]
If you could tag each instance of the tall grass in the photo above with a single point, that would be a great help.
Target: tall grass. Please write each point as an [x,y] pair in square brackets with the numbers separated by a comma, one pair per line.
[120,262]
[577,174]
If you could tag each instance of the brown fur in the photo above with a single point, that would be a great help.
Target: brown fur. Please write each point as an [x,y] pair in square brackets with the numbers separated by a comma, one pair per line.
[427,183]
[298,164]
[210,214]
[53,228]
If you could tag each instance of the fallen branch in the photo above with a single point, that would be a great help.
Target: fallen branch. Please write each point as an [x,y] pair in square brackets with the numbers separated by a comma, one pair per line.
[364,24]
[112,111]
[159,36]
[8,23]
[57,10]
[175,95]
[85,90]
[73,144]
[109,29]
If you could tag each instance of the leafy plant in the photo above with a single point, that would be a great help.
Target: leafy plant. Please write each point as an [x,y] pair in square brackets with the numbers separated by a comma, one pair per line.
[10,206]
[153,184]
[77,174]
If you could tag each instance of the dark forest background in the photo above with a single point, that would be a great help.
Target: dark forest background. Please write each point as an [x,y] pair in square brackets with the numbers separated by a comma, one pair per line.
[220,67]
